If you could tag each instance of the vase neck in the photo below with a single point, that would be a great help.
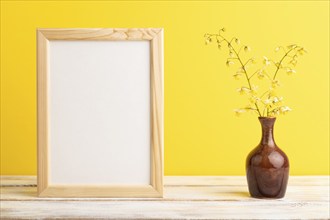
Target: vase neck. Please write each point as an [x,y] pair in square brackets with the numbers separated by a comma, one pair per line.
[267,125]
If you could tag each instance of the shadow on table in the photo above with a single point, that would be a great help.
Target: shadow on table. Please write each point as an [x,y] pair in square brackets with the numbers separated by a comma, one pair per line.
[234,195]
[241,194]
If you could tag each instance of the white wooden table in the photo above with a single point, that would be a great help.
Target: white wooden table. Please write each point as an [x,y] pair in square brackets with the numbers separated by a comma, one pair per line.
[186,197]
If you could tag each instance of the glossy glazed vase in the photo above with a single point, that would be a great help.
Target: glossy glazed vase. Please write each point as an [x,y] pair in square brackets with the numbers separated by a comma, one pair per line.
[267,166]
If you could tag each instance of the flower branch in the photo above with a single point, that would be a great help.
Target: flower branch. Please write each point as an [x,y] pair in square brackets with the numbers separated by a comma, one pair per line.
[272,105]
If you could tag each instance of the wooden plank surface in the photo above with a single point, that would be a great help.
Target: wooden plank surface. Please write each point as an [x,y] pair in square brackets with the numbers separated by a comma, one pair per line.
[185,197]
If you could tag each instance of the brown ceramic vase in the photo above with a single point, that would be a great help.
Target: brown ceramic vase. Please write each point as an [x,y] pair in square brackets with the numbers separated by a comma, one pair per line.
[267,166]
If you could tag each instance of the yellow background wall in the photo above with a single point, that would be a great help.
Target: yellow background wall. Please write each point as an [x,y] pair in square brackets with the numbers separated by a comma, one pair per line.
[202,135]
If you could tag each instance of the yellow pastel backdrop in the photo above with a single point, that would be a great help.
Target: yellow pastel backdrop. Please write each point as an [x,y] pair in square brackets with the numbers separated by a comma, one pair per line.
[202,134]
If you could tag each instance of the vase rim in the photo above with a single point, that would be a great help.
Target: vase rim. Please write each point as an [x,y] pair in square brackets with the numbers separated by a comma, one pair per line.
[262,117]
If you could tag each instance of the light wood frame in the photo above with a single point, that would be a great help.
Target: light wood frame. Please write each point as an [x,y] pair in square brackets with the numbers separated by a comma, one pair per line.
[155,36]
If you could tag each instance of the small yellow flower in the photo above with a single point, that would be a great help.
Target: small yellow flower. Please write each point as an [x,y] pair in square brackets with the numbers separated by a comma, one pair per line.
[231,54]
[277,100]
[302,51]
[237,41]
[254,89]
[208,40]
[239,111]
[293,62]
[291,46]
[240,70]
[275,83]
[289,71]
[254,99]
[247,48]
[267,102]
[237,76]
[229,62]
[243,90]
[277,49]
[260,74]
[284,109]
[266,61]
[275,112]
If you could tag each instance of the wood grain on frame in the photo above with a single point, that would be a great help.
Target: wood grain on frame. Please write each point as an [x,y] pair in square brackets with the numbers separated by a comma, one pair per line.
[102,34]
[42,111]
[155,37]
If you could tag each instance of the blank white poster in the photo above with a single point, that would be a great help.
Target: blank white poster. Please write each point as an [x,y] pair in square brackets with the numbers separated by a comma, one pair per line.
[99,111]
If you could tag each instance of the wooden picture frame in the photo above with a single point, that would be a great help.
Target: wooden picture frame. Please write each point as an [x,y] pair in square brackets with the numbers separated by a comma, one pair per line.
[48,114]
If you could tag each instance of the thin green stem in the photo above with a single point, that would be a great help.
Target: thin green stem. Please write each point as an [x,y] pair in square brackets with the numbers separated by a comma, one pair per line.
[240,49]
[248,61]
[278,67]
[264,94]
[263,112]
[244,70]
[255,73]
[252,75]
